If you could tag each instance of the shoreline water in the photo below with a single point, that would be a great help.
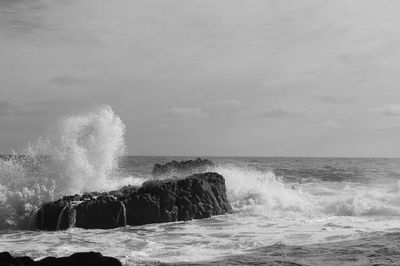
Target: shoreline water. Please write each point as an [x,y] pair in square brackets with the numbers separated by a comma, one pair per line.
[377,248]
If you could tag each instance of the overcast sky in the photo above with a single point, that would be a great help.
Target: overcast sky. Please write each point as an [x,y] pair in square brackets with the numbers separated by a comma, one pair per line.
[221,77]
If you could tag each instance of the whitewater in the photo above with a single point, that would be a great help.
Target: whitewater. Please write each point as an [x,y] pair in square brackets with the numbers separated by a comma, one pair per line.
[312,211]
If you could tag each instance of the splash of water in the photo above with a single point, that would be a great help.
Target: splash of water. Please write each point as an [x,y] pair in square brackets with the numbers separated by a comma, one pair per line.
[79,154]
[263,193]
[83,150]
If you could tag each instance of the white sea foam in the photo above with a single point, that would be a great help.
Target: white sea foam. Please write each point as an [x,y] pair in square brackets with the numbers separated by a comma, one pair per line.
[362,200]
[19,194]
[263,193]
[79,154]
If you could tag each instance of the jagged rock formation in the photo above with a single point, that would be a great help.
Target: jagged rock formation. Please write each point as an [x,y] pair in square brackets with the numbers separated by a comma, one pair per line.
[156,201]
[182,168]
[76,259]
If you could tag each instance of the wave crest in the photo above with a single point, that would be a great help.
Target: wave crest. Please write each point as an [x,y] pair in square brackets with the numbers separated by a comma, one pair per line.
[79,154]
[261,192]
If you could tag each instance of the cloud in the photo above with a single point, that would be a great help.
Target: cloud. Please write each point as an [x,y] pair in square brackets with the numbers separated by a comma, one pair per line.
[270,114]
[388,110]
[164,126]
[325,123]
[43,103]
[6,108]
[334,99]
[330,124]
[42,108]
[224,104]
[32,108]
[185,113]
[26,17]
[279,111]
[69,80]
[290,80]
[30,112]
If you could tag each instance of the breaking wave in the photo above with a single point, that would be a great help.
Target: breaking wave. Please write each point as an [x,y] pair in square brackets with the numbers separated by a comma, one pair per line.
[79,154]
[263,193]
[83,150]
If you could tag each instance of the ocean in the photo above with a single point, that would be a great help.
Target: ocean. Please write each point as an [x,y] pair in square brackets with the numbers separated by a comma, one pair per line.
[312,211]
[286,211]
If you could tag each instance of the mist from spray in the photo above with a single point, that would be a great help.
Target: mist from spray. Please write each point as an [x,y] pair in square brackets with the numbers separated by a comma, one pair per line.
[79,154]
[83,150]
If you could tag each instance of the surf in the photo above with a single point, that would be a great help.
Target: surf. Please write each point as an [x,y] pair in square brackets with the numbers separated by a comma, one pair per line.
[256,192]
[79,154]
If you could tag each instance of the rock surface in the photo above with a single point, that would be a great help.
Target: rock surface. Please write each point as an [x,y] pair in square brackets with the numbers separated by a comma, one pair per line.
[7,259]
[76,259]
[182,168]
[156,201]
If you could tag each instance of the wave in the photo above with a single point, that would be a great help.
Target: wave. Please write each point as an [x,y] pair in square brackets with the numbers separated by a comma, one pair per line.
[82,150]
[79,154]
[263,193]
[367,200]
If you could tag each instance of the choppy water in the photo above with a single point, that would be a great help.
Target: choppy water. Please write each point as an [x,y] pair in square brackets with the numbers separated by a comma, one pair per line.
[303,210]
[312,211]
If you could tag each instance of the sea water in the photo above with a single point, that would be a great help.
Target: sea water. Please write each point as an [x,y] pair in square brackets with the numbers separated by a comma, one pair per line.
[313,211]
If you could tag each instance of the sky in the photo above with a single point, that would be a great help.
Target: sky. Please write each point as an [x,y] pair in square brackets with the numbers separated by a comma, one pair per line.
[201,77]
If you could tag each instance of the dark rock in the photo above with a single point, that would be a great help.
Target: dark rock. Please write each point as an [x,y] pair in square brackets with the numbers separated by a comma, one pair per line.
[7,259]
[25,260]
[86,196]
[80,259]
[75,197]
[48,215]
[123,192]
[76,259]
[195,197]
[182,168]
[105,212]
[91,195]
[156,201]
[50,261]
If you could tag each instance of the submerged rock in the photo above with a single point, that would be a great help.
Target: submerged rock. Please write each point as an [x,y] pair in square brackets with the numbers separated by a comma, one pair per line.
[76,259]
[182,168]
[156,201]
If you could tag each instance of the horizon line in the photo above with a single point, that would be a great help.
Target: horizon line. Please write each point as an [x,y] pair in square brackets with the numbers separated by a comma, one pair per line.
[247,156]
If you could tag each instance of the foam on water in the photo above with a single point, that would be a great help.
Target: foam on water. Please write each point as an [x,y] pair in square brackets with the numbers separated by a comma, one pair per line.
[263,193]
[362,200]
